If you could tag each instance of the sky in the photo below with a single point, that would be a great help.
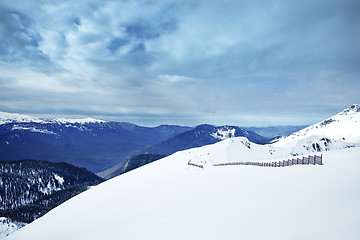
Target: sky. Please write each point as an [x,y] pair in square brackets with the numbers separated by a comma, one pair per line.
[245,63]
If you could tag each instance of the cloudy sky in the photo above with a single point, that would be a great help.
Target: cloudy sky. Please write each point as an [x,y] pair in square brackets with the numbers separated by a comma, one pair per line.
[247,63]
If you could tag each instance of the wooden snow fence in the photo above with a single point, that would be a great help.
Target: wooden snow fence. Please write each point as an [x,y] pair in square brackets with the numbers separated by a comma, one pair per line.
[195,165]
[310,160]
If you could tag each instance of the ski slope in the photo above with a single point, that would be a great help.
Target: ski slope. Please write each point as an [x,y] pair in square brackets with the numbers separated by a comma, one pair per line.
[169,199]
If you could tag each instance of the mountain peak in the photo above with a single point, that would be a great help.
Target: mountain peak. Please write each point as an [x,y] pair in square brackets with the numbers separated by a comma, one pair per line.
[355,108]
[344,126]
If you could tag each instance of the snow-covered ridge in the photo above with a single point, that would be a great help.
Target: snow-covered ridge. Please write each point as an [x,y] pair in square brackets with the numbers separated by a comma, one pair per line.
[14,117]
[18,118]
[355,108]
[345,126]
[77,120]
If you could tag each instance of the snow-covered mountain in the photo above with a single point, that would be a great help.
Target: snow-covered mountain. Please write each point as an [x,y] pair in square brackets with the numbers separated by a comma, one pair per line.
[345,126]
[90,143]
[20,118]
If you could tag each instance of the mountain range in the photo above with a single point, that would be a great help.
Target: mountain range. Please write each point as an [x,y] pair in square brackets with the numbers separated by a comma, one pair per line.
[108,148]
[90,143]
[173,199]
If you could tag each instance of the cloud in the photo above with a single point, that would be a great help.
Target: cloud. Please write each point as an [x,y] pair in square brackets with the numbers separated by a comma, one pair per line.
[204,59]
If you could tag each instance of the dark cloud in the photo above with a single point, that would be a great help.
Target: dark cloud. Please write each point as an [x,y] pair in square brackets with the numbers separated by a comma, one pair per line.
[17,38]
[116,43]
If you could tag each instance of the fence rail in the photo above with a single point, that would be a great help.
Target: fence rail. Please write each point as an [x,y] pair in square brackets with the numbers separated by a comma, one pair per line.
[310,160]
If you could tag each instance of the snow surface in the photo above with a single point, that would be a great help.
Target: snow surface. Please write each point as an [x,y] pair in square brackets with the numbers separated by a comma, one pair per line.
[169,199]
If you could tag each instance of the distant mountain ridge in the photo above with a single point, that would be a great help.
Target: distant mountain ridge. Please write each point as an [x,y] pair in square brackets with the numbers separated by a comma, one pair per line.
[201,135]
[90,143]
[20,118]
[276,131]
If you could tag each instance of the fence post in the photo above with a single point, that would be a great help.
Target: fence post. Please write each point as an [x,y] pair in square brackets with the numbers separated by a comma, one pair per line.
[321,159]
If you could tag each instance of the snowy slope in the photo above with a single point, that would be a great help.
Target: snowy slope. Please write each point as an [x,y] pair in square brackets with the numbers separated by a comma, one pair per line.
[343,126]
[169,199]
